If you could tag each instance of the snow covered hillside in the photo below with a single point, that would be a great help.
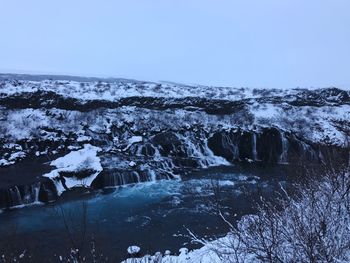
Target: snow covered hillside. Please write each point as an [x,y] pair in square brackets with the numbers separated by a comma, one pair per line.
[128,131]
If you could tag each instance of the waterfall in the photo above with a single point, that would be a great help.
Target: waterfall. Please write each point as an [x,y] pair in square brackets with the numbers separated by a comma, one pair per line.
[15,196]
[254,151]
[230,145]
[113,178]
[116,178]
[36,193]
[31,193]
[152,175]
[308,152]
[285,147]
[196,147]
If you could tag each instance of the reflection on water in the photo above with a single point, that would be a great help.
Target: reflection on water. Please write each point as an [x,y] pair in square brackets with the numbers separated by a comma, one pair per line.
[152,215]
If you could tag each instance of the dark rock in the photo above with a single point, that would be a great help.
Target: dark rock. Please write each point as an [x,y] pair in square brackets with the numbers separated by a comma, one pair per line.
[169,144]
[224,144]
[245,145]
[47,192]
[269,145]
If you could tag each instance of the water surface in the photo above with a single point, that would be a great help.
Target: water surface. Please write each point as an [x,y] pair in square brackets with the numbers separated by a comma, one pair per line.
[152,215]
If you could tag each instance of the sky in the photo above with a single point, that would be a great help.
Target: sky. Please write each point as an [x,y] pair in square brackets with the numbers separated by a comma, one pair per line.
[240,43]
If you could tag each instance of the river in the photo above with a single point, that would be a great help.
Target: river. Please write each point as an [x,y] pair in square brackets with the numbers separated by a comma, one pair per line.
[153,215]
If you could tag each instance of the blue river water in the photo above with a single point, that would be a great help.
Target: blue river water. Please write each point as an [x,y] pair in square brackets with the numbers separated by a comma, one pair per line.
[152,215]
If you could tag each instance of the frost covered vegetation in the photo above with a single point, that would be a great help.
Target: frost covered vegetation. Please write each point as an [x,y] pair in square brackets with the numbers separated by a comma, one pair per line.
[313,225]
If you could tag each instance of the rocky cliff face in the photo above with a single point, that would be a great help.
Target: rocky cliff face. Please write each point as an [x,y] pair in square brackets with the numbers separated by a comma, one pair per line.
[149,131]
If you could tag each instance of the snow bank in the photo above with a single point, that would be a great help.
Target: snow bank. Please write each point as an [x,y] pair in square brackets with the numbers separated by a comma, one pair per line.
[4,162]
[133,250]
[82,160]
[13,158]
[202,255]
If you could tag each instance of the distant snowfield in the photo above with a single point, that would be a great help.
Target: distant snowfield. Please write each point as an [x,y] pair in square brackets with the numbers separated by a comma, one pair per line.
[117,90]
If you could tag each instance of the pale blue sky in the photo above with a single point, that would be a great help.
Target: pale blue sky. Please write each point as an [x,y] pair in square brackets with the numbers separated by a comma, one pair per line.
[257,43]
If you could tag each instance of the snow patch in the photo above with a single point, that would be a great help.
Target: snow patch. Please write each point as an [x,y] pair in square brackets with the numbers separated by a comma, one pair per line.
[85,159]
[132,250]
[132,140]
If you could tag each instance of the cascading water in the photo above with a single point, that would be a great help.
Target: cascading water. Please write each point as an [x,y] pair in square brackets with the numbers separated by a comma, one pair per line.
[15,196]
[196,147]
[254,151]
[161,157]
[20,195]
[285,148]
[230,144]
[31,194]
[308,153]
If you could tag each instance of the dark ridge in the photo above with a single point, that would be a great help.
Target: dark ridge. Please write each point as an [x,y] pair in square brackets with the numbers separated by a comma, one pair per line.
[49,99]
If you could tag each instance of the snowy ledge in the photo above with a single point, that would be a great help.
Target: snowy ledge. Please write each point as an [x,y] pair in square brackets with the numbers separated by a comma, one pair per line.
[205,254]
[76,169]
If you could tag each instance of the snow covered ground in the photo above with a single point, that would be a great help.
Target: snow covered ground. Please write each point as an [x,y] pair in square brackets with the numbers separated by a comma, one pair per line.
[122,89]
[205,254]
[319,114]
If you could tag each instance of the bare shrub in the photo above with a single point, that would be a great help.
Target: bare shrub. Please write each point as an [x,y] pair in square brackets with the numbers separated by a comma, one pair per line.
[313,226]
